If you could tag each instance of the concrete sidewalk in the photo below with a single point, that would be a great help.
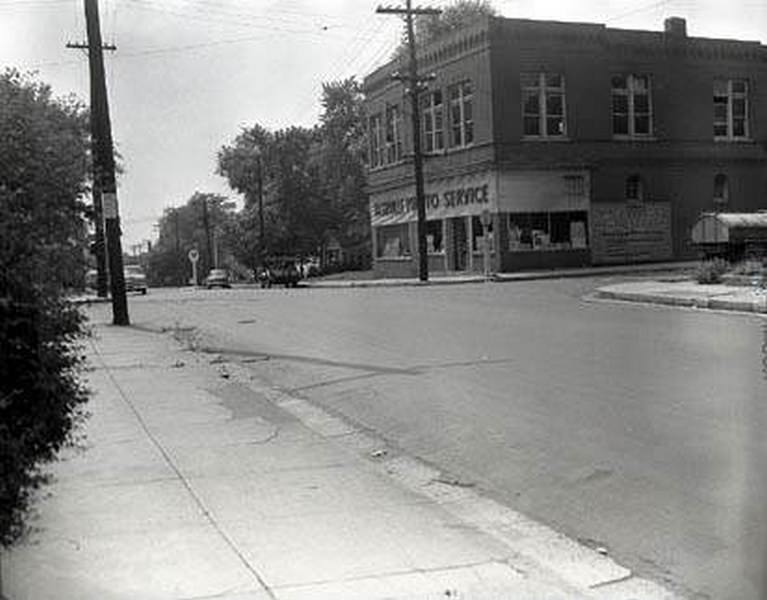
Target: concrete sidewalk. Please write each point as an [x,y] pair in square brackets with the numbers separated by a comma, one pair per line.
[690,294]
[198,482]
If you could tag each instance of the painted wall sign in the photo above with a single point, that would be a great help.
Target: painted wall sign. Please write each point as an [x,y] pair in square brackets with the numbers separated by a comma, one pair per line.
[446,198]
[630,232]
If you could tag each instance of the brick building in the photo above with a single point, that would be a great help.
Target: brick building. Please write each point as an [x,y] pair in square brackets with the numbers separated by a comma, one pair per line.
[584,145]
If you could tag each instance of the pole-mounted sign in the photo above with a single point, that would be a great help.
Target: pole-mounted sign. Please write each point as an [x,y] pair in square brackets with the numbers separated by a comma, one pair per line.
[194,256]
[487,219]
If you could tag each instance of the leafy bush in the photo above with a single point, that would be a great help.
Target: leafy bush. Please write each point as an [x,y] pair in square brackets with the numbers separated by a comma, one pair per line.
[43,175]
[711,271]
[749,267]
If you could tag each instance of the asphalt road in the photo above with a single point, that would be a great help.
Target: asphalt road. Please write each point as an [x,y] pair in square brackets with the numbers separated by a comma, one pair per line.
[634,427]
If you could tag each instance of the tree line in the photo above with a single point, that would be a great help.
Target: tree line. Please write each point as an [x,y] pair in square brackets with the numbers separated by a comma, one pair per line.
[303,190]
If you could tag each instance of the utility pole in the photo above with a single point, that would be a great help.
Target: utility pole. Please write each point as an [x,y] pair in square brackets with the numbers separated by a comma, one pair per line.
[104,162]
[261,241]
[412,87]
[180,266]
[206,225]
[99,243]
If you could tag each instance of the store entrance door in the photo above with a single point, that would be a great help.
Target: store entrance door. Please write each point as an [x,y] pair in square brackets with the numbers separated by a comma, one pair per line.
[460,245]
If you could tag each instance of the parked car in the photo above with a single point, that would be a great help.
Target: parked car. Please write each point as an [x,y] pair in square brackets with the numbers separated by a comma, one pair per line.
[217,278]
[135,279]
[280,270]
[91,279]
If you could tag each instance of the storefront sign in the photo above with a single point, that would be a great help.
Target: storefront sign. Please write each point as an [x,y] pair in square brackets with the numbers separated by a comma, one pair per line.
[447,198]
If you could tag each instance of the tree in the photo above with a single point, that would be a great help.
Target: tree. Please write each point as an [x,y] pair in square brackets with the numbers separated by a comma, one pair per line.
[183,228]
[456,16]
[279,168]
[44,168]
[342,166]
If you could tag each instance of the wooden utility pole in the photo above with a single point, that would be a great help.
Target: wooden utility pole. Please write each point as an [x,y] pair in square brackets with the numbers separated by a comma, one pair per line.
[104,180]
[99,243]
[206,225]
[412,87]
[261,241]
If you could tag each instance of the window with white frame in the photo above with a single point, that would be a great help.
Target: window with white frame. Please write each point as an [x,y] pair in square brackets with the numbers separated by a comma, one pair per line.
[730,109]
[376,140]
[543,105]
[461,118]
[393,134]
[432,118]
[632,106]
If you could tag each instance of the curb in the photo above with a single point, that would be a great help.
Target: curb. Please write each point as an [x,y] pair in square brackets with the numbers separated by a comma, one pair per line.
[507,277]
[705,303]
[539,549]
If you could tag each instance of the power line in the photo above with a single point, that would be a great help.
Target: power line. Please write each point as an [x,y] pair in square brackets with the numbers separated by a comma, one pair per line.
[638,10]
[209,17]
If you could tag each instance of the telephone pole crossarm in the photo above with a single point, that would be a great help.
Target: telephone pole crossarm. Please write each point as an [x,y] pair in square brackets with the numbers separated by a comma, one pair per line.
[396,10]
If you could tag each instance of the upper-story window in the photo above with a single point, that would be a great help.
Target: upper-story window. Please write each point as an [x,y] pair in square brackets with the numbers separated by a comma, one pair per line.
[543,105]
[461,117]
[393,134]
[730,109]
[432,118]
[632,106]
[376,140]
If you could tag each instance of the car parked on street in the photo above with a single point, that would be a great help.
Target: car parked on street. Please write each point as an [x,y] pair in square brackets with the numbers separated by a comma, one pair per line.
[280,270]
[217,278]
[135,279]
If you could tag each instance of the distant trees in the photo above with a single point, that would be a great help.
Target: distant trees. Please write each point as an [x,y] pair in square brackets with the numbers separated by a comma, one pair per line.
[44,169]
[307,183]
[453,17]
[206,222]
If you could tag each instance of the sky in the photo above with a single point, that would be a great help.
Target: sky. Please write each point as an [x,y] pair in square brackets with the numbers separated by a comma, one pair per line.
[188,75]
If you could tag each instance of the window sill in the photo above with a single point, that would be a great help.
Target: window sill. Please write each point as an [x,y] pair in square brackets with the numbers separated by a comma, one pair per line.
[545,249]
[395,258]
[634,138]
[386,166]
[546,138]
[733,140]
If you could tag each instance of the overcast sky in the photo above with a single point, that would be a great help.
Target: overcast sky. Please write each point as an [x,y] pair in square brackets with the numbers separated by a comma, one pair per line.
[189,74]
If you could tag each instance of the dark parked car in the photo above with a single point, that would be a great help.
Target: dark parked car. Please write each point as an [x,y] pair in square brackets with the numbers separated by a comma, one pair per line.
[217,278]
[135,280]
[280,270]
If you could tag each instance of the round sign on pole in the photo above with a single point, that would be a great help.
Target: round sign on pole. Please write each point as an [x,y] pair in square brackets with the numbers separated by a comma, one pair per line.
[193,255]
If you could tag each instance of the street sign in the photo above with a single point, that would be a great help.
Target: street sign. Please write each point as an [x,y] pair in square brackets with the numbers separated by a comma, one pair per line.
[194,256]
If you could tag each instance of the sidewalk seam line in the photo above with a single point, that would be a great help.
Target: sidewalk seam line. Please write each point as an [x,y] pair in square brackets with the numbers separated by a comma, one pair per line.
[183,479]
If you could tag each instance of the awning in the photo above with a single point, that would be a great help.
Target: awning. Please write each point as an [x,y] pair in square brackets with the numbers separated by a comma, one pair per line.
[722,228]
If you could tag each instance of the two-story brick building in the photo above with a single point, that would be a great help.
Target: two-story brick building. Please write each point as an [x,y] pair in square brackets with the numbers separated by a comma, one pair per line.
[585,144]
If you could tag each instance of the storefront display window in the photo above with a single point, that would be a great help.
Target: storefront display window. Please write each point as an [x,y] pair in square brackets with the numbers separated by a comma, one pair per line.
[477,234]
[434,237]
[547,231]
[393,241]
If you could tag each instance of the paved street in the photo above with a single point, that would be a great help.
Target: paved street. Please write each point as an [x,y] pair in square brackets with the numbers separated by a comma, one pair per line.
[633,428]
